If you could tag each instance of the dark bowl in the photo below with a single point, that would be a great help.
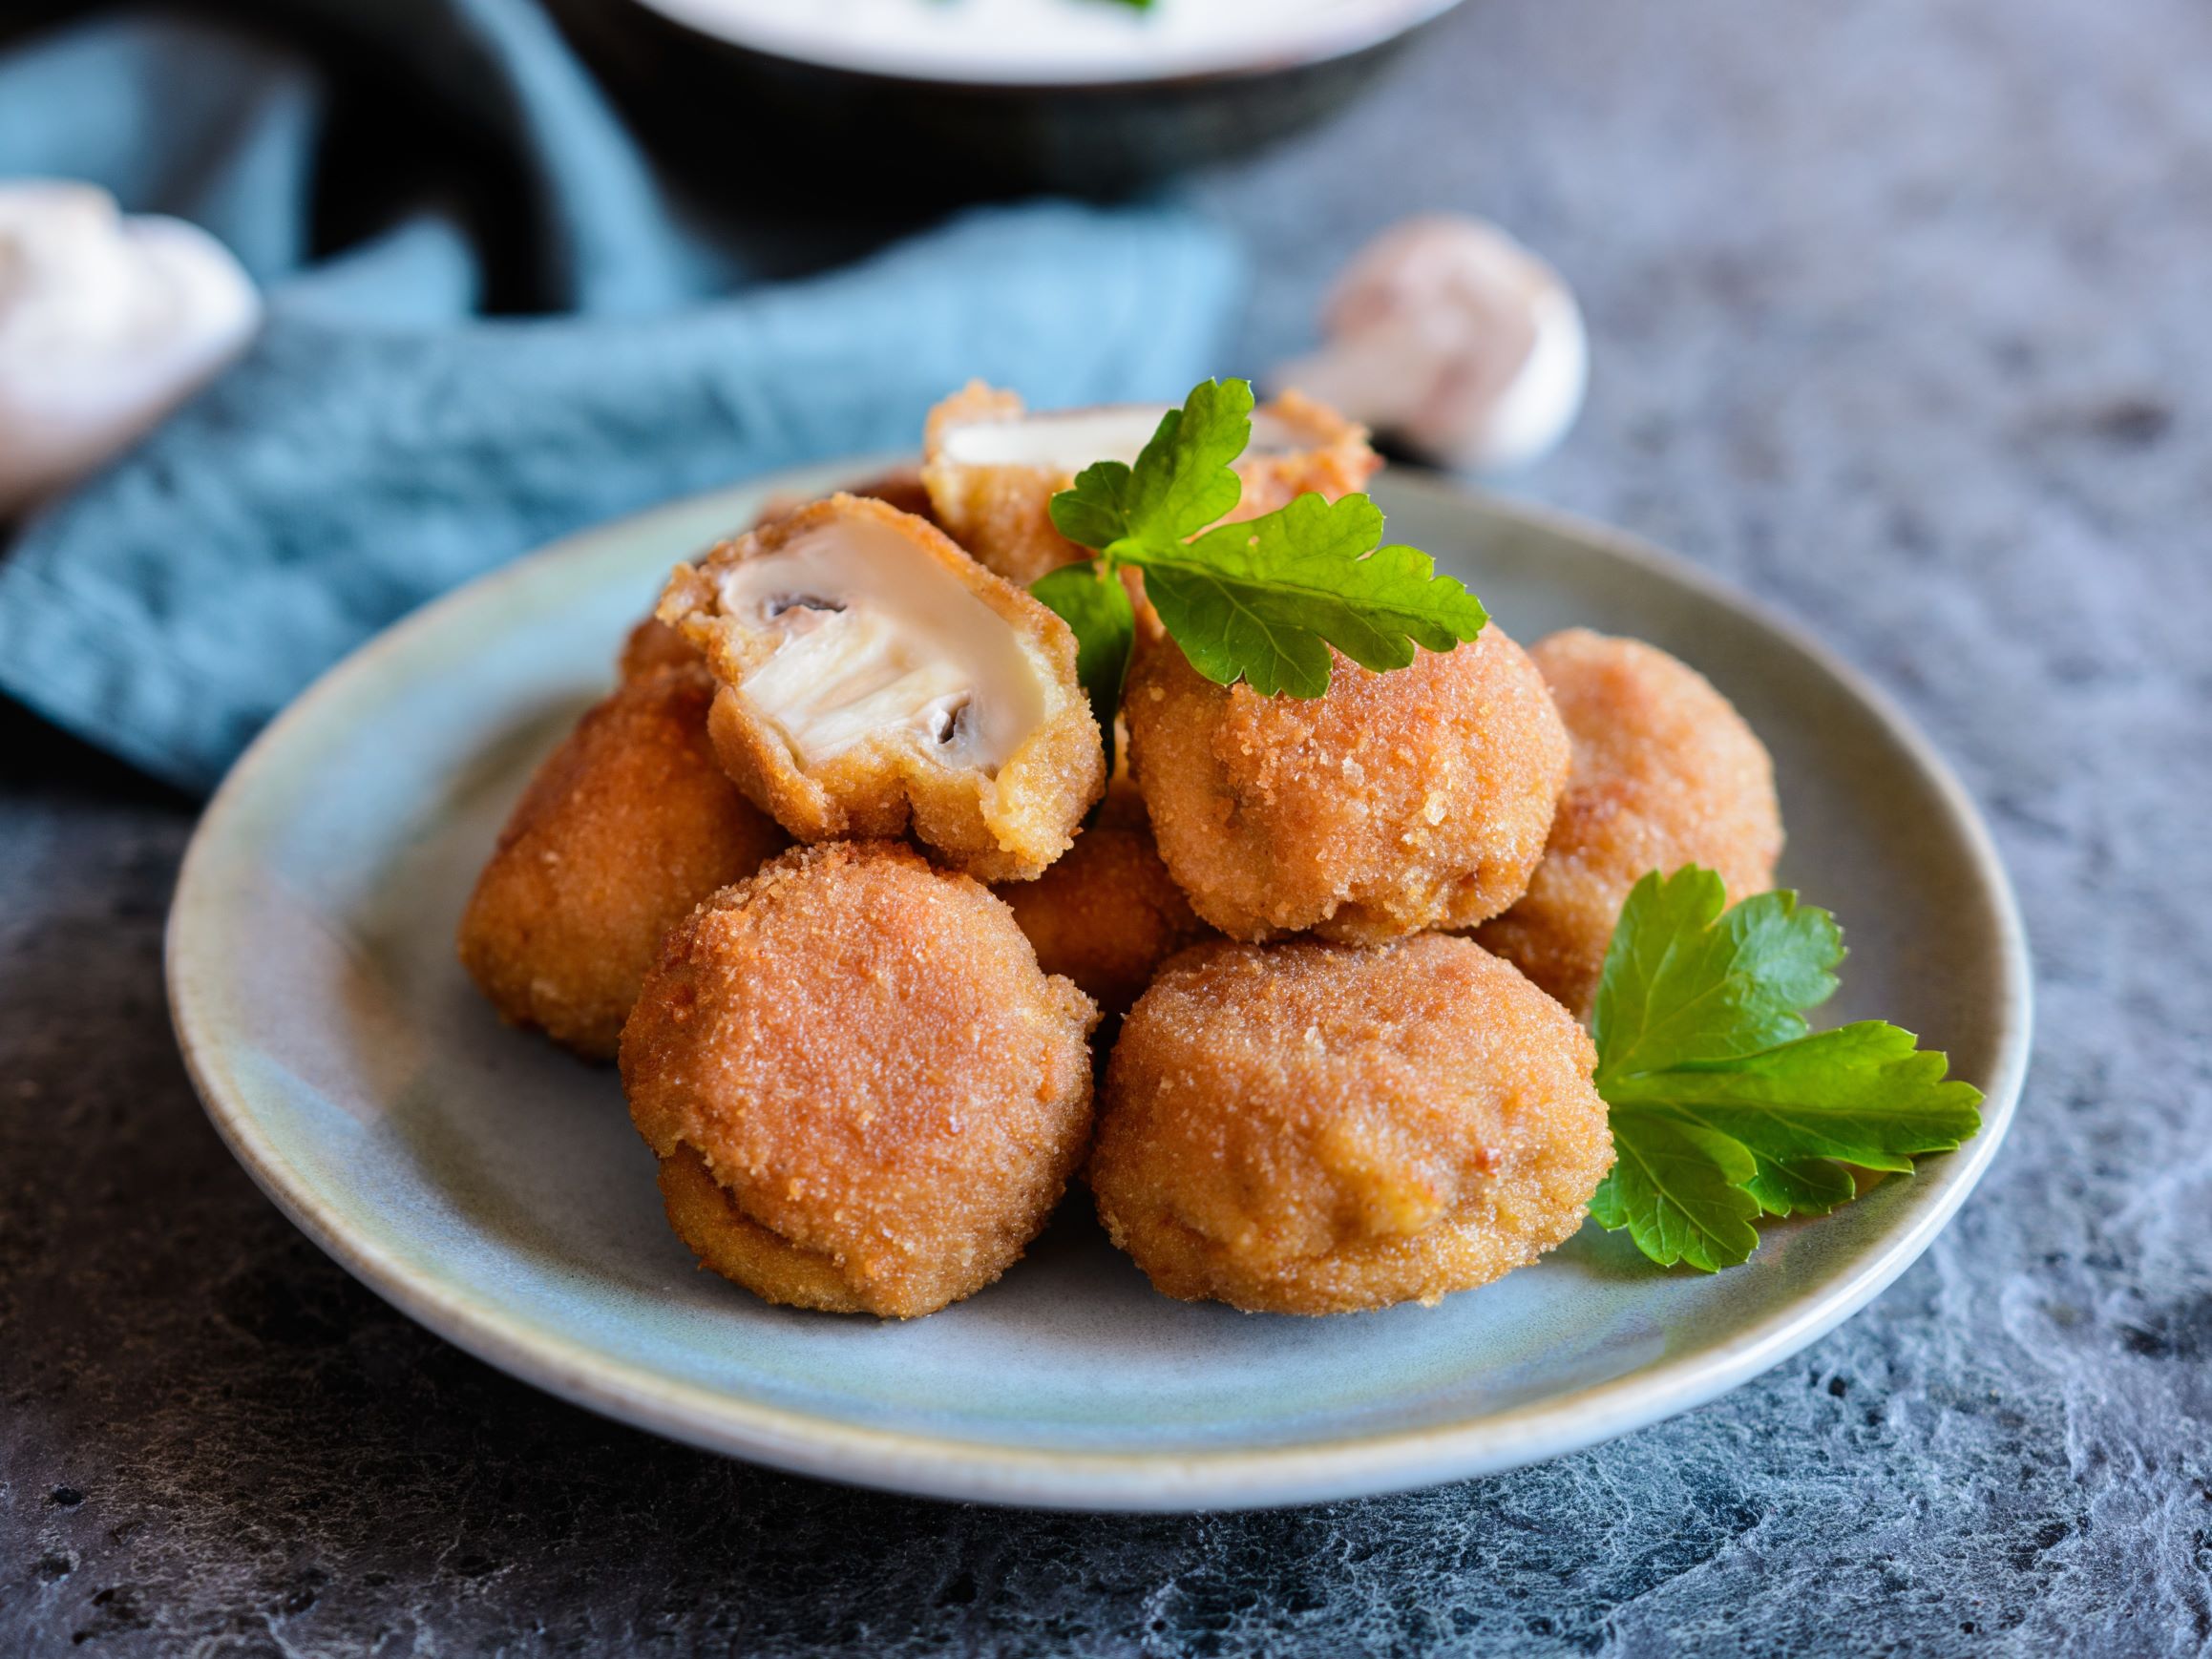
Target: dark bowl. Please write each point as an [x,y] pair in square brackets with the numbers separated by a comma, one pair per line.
[865,135]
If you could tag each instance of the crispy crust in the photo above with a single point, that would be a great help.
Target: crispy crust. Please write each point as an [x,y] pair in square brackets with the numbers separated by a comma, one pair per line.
[1666,773]
[1108,913]
[653,646]
[1419,798]
[624,826]
[1003,514]
[1337,461]
[1005,826]
[866,1095]
[1308,1128]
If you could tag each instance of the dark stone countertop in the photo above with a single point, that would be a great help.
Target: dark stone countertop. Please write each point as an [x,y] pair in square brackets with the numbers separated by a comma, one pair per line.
[1900,318]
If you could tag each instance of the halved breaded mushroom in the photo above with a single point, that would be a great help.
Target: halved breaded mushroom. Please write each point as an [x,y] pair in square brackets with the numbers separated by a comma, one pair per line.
[626,827]
[1665,774]
[992,466]
[653,645]
[865,1095]
[1313,1128]
[874,678]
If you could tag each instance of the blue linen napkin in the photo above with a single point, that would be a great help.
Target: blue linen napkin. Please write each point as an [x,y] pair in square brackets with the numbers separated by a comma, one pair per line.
[383,440]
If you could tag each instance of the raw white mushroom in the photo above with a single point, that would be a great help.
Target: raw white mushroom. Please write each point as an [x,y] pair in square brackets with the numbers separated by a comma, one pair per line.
[106,323]
[1455,340]
[869,639]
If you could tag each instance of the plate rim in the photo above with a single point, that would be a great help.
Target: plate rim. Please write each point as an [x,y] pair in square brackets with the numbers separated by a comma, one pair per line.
[944,1467]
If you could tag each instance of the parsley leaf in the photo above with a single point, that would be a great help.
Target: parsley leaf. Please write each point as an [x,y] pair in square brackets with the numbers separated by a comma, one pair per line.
[1677,988]
[1096,607]
[1264,600]
[1267,597]
[1184,480]
[1723,1105]
[1679,1190]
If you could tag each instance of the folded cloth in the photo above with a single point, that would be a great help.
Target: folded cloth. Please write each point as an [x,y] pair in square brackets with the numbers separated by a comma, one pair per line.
[384,439]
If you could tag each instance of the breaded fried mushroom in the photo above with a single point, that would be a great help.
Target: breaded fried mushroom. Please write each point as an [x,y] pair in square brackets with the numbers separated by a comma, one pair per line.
[1107,913]
[1419,798]
[992,466]
[626,827]
[1312,1128]
[865,1095]
[653,646]
[876,679]
[1666,773]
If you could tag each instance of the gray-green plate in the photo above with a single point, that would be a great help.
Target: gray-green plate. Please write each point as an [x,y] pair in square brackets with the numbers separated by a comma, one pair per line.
[492,1188]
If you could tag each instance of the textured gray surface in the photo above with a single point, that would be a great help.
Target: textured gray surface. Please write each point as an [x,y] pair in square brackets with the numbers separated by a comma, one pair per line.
[1900,318]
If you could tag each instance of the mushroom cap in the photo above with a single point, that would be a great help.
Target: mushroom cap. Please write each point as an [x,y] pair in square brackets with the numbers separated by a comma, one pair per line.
[1450,336]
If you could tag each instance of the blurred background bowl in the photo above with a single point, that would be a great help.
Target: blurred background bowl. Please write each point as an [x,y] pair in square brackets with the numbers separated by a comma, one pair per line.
[957,98]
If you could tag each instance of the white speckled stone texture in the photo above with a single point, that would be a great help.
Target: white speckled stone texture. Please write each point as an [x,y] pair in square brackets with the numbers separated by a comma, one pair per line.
[1899,317]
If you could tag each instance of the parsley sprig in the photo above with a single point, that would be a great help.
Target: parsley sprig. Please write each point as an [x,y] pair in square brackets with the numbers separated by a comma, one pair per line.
[1726,1107]
[1261,600]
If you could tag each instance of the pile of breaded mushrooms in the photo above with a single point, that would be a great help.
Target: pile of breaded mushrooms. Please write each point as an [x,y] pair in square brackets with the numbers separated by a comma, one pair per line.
[839,874]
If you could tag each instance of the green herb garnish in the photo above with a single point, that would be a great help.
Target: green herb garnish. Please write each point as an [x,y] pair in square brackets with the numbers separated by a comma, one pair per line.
[1261,600]
[1725,1106]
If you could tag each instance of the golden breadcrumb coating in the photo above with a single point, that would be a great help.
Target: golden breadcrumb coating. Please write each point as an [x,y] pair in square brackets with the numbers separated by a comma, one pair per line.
[865,1094]
[1107,913]
[651,646]
[875,681]
[1666,773]
[626,827]
[1313,1128]
[1414,799]
[1300,445]
[1002,514]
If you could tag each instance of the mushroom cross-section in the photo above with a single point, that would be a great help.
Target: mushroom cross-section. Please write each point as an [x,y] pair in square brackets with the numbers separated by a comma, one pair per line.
[874,680]
[992,466]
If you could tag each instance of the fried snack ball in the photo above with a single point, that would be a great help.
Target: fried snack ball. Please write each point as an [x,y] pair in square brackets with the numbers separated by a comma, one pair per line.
[865,1095]
[992,468]
[1666,773]
[1394,802]
[1107,913]
[1313,1128]
[876,679]
[626,827]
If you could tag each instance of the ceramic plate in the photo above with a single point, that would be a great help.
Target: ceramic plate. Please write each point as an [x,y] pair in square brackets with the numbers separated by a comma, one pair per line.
[492,1188]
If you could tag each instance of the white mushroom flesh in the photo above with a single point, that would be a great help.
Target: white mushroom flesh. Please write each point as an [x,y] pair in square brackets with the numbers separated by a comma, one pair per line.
[1070,440]
[874,637]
